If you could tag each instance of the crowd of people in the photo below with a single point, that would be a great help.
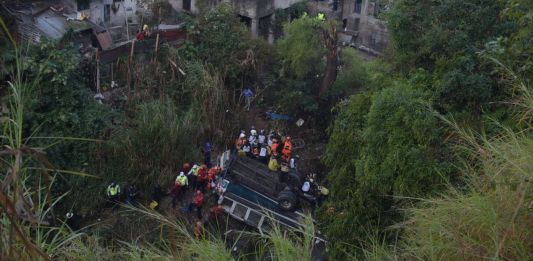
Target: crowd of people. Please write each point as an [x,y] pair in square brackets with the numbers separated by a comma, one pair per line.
[197,177]
[272,149]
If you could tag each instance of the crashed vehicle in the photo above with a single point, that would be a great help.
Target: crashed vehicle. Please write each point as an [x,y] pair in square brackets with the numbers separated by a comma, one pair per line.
[275,190]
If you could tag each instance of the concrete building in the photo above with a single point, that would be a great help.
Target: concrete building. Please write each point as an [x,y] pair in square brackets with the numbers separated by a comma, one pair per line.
[107,13]
[363,27]
[253,12]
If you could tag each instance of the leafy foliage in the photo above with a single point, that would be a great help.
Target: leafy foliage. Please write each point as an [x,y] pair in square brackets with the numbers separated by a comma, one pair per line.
[222,40]
[302,46]
[382,147]
[447,48]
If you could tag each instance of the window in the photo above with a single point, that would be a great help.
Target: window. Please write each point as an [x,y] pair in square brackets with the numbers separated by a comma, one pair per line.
[83,4]
[107,13]
[187,5]
[358,6]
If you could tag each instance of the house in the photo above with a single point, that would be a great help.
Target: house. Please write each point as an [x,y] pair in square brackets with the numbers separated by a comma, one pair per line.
[118,17]
[363,27]
[31,22]
[253,12]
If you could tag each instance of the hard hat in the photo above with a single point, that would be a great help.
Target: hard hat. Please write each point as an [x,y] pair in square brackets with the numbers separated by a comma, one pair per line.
[194,166]
[181,173]
[198,191]
[242,135]
[253,132]
[145,27]
[288,138]
[69,215]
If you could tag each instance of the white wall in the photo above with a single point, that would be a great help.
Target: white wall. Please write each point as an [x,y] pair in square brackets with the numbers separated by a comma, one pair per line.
[96,11]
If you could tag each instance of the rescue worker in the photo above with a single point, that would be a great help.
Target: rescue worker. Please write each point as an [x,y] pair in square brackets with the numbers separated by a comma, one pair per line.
[264,153]
[197,203]
[321,16]
[132,194]
[240,142]
[255,151]
[179,187]
[139,35]
[270,137]
[185,168]
[247,149]
[146,30]
[198,230]
[275,147]
[216,211]
[273,164]
[293,163]
[113,192]
[261,138]
[248,95]
[192,175]
[287,149]
[72,220]
[207,153]
[201,179]
[211,176]
[253,137]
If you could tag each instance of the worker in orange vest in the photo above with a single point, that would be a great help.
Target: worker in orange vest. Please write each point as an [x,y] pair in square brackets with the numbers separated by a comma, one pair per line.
[287,149]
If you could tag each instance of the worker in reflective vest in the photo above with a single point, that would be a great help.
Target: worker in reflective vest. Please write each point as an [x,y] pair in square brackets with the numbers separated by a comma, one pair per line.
[113,191]
[287,149]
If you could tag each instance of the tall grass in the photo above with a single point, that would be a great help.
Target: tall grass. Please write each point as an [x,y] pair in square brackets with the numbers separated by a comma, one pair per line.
[27,231]
[490,216]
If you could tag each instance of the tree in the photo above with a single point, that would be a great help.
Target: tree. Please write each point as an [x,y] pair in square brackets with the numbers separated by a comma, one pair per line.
[302,46]
[382,147]
[222,40]
[425,37]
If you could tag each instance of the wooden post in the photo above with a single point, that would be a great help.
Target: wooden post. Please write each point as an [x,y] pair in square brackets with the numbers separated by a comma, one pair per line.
[97,71]
[156,47]
[126,20]
[132,49]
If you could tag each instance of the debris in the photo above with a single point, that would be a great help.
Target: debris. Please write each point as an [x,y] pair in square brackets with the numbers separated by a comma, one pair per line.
[300,122]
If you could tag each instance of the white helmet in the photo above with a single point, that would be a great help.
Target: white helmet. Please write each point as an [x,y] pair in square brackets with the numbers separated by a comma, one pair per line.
[181,173]
[253,132]
[242,135]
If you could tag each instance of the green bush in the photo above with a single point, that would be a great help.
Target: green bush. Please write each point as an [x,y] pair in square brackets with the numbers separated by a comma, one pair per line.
[382,148]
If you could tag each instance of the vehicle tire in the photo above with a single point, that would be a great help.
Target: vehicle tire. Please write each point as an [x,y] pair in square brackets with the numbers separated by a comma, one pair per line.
[287,200]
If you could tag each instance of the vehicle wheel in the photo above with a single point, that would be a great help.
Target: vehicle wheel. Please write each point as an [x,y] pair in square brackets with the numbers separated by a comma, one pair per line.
[287,200]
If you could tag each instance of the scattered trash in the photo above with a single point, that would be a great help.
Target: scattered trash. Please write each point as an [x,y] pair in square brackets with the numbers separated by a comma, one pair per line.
[300,122]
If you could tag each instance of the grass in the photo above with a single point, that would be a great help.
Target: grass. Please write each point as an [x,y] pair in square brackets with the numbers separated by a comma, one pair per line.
[489,218]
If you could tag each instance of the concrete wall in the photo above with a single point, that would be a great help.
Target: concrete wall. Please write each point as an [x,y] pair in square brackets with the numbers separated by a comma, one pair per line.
[371,32]
[178,6]
[124,9]
[282,4]
[253,9]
